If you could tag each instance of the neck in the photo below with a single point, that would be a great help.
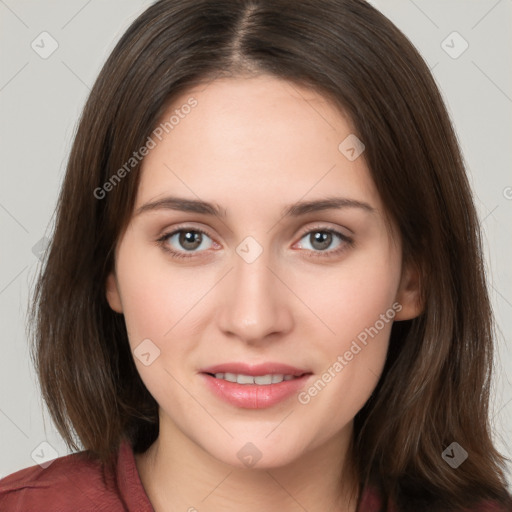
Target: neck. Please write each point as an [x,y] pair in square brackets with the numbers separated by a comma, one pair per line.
[177,474]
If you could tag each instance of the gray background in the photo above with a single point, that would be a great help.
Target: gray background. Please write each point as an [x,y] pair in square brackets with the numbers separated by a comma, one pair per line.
[40,102]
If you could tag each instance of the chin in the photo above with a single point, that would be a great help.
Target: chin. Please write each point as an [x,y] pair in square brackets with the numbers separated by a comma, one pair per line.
[260,453]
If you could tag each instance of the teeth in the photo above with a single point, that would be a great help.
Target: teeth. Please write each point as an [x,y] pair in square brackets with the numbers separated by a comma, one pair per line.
[263,380]
[245,379]
[231,377]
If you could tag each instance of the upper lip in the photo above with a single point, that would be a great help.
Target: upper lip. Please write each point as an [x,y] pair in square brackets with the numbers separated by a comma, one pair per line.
[255,369]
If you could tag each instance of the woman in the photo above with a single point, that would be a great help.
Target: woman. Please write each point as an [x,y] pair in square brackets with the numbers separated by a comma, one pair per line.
[265,287]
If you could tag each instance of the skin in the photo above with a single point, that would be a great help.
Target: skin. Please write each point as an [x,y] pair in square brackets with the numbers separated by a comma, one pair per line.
[252,146]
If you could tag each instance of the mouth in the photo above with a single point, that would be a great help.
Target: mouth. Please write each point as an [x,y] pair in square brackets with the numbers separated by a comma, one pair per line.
[254,386]
[260,380]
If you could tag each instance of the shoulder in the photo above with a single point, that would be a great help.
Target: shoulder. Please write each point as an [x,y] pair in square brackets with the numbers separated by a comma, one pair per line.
[73,482]
[373,500]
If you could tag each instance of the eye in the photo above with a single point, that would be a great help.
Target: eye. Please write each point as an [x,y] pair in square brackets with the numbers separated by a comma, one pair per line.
[321,241]
[185,240]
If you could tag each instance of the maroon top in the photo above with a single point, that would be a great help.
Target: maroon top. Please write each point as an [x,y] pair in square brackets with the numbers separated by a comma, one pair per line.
[77,483]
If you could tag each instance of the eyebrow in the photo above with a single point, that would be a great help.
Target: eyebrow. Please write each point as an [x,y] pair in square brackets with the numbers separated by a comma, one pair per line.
[293,210]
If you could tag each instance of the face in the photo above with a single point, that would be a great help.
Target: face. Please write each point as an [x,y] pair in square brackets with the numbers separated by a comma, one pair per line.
[266,287]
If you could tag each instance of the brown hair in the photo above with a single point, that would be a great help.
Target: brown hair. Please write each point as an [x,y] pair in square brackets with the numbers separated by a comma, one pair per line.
[435,385]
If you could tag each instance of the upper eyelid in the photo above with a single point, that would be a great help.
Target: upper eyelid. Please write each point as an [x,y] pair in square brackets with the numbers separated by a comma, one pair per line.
[324,227]
[167,234]
[319,227]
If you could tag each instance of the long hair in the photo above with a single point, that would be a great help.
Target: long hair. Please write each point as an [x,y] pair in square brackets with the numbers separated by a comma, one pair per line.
[435,386]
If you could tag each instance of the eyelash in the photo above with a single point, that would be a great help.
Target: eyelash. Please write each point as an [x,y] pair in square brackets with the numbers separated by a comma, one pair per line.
[348,242]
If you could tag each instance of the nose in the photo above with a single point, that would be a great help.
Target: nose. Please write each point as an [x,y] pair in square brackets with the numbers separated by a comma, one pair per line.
[256,305]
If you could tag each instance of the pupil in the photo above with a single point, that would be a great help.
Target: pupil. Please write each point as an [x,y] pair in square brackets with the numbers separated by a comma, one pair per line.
[323,238]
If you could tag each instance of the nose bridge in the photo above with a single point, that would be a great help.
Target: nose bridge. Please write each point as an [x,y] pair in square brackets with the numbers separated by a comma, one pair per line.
[255,305]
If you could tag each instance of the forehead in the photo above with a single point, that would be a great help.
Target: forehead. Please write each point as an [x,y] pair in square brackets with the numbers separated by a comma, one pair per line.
[258,140]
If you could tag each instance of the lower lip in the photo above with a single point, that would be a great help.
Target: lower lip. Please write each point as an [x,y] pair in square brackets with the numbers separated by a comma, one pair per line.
[254,396]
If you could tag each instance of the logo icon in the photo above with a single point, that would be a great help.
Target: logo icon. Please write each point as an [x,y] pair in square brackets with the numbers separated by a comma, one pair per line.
[44,454]
[249,249]
[351,147]
[249,454]
[146,352]
[454,45]
[44,45]
[455,455]
[40,248]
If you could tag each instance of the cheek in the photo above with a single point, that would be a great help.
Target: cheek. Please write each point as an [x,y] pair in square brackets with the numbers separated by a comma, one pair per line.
[155,303]
[147,306]
[353,359]
[356,307]
[352,296]
[156,297]
[165,305]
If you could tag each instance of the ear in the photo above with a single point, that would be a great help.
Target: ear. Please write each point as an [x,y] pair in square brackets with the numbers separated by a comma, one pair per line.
[112,292]
[409,293]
